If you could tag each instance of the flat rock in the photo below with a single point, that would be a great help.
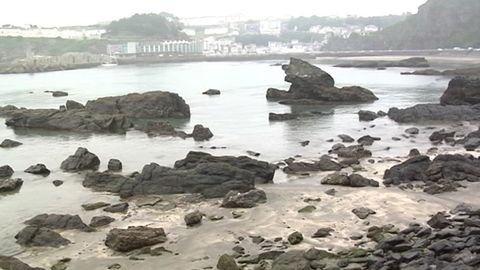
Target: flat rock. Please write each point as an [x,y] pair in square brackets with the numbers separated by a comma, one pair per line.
[99,221]
[40,237]
[117,208]
[134,237]
[363,212]
[212,92]
[9,185]
[248,199]
[435,112]
[94,206]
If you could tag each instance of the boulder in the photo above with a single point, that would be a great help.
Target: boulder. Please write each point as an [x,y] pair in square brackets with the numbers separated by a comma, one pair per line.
[134,237]
[57,183]
[114,165]
[367,140]
[39,169]
[201,133]
[291,260]
[6,171]
[435,112]
[353,180]
[412,169]
[73,105]
[9,185]
[193,218]
[414,62]
[324,164]
[310,84]
[99,221]
[40,237]
[412,131]
[322,233]
[441,135]
[295,238]
[282,116]
[346,138]
[7,143]
[54,221]
[367,115]
[227,262]
[80,161]
[59,94]
[212,92]
[248,199]
[462,91]
[117,208]
[352,151]
[12,263]
[363,212]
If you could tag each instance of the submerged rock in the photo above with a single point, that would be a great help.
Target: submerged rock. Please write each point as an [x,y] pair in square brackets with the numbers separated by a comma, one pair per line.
[40,237]
[81,160]
[134,237]
[59,94]
[248,199]
[9,185]
[311,84]
[12,263]
[7,143]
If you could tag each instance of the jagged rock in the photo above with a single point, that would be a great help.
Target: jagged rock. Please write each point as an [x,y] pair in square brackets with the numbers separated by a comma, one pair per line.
[411,170]
[295,238]
[134,237]
[367,140]
[248,199]
[438,221]
[40,237]
[9,185]
[81,160]
[462,91]
[435,112]
[193,218]
[346,138]
[367,115]
[324,164]
[6,171]
[114,165]
[40,169]
[11,263]
[99,221]
[455,168]
[201,133]
[311,85]
[471,144]
[212,92]
[353,180]
[73,105]
[363,212]
[7,143]
[282,116]
[117,208]
[227,262]
[54,221]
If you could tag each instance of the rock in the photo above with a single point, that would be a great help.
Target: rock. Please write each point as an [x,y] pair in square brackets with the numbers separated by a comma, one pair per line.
[441,135]
[324,164]
[346,138]
[322,233]
[363,212]
[227,262]
[412,131]
[61,264]
[80,161]
[134,237]
[471,144]
[416,62]
[114,165]
[73,105]
[54,221]
[353,180]
[312,85]
[237,214]
[40,237]
[7,143]
[307,209]
[435,112]
[291,260]
[161,128]
[353,151]
[295,238]
[59,94]
[367,140]
[411,170]
[414,153]
[94,206]
[248,199]
[304,143]
[6,171]
[117,208]
[253,153]
[99,221]
[282,116]
[40,169]
[331,192]
[9,185]
[462,91]
[201,133]
[194,218]
[12,263]
[367,115]
[438,221]
[212,92]
[57,183]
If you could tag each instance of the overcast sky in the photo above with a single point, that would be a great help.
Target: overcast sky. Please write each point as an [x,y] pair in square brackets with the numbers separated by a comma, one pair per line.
[85,12]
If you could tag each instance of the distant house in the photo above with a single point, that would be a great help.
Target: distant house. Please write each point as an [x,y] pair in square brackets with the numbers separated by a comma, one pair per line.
[174,47]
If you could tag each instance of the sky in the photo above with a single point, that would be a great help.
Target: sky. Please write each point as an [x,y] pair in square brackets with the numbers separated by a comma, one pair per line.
[87,12]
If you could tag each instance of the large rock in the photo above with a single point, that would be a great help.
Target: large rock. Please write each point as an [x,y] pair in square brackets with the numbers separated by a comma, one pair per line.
[353,180]
[310,83]
[462,91]
[40,237]
[248,199]
[11,263]
[201,133]
[291,260]
[124,240]
[9,185]
[262,170]
[352,151]
[81,160]
[6,171]
[54,221]
[193,218]
[227,262]
[367,116]
[411,170]
[39,169]
[435,112]
[73,105]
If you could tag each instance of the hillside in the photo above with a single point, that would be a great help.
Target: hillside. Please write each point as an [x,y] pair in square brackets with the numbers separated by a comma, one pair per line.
[438,24]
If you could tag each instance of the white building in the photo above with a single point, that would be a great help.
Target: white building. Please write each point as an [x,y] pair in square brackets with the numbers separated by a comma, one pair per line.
[33,32]
[271,27]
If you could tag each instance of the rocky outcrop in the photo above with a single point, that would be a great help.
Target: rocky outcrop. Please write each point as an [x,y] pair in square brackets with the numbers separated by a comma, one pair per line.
[80,161]
[310,84]
[414,62]
[40,237]
[9,185]
[110,114]
[249,199]
[353,180]
[12,263]
[132,238]
[411,170]
[462,91]
[435,112]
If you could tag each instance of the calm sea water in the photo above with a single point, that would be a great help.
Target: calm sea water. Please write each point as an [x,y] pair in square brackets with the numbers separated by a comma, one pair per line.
[238,118]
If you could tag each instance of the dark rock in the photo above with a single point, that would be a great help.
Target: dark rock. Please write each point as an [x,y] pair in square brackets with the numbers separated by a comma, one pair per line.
[346,138]
[59,94]
[307,209]
[323,232]
[324,164]
[248,199]
[39,169]
[414,62]
[253,154]
[438,221]
[414,153]
[9,185]
[227,262]
[117,208]
[462,91]
[201,133]
[331,192]
[363,212]
[367,140]
[212,92]
[412,131]
[114,165]
[73,105]
[291,260]
[11,263]
[40,237]
[304,143]
[455,168]
[57,183]
[161,128]
[411,170]
[94,206]
[281,116]
[81,160]
[7,143]
[441,135]
[194,218]
[295,238]
[353,151]
[134,237]
[54,221]
[471,144]
[100,221]
[6,171]
[354,180]
[435,112]
[367,115]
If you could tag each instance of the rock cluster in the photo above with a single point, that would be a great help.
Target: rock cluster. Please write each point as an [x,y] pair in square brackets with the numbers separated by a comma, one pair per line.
[353,180]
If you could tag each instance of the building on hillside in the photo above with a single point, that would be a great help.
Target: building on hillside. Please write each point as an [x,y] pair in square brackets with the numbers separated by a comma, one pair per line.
[65,33]
[271,27]
[169,47]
